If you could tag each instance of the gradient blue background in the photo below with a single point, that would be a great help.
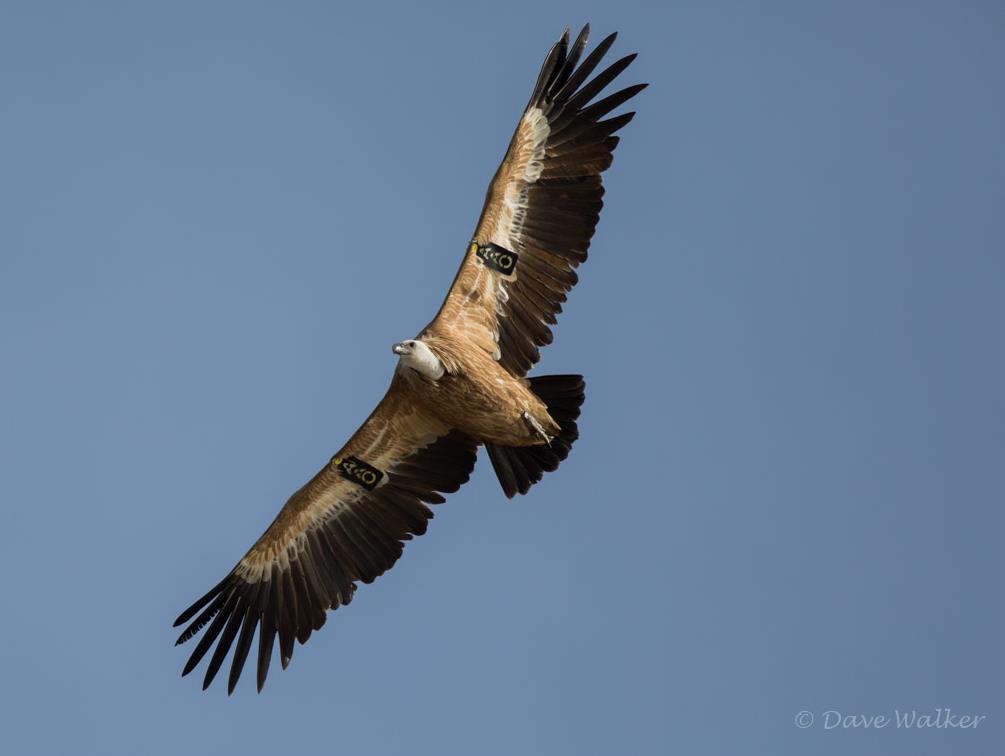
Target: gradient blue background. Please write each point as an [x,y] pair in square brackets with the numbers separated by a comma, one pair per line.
[789,490]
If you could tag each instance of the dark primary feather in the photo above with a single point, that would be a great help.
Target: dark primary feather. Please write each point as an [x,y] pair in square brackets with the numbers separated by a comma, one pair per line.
[561,91]
[357,544]
[563,205]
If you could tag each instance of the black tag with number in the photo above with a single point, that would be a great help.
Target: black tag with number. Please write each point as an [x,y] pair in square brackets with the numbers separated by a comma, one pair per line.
[358,471]
[496,257]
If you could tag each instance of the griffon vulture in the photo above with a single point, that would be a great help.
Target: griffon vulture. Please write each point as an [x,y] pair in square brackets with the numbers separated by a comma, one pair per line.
[461,383]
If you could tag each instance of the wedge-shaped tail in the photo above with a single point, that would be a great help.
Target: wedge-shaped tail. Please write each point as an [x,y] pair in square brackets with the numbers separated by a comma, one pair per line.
[520,467]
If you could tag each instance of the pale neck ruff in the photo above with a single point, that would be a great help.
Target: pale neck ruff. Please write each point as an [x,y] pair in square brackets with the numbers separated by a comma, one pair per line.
[423,361]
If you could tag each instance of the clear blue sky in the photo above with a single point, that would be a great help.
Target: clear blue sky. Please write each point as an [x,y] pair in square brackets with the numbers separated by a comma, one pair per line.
[789,490]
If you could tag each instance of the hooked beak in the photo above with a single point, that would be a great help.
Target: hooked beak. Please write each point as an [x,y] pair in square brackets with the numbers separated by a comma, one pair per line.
[399,349]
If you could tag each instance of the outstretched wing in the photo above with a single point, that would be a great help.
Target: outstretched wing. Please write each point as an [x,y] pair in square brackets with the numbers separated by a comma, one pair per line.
[347,524]
[541,209]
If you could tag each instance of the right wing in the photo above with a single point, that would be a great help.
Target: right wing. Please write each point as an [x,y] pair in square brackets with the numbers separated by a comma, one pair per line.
[541,209]
[346,524]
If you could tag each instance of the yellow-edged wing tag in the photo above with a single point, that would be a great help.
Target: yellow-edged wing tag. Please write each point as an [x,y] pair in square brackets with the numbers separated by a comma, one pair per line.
[497,258]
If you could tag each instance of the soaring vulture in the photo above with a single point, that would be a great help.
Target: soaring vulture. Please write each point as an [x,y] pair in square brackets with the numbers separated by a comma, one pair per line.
[459,384]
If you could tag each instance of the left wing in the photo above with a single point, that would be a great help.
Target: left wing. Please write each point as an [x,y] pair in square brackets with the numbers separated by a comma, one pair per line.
[540,211]
[346,525]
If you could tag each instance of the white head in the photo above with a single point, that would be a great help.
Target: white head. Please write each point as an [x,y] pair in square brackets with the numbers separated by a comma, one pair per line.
[417,355]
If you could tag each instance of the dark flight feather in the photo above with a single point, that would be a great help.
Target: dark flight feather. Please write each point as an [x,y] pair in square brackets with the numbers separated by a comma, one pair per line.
[358,544]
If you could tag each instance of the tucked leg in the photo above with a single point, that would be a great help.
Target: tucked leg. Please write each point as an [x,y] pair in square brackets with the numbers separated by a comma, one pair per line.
[535,428]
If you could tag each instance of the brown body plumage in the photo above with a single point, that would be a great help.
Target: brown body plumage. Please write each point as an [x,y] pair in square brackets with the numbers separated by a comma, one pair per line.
[477,396]
[460,384]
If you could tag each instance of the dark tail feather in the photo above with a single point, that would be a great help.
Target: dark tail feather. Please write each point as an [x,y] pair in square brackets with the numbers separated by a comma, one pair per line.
[520,467]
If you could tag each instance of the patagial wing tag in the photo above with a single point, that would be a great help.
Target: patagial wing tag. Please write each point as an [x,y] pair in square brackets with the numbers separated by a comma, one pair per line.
[358,471]
[496,257]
